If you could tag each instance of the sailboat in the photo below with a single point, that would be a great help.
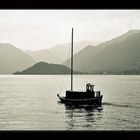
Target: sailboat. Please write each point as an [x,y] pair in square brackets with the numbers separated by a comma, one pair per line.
[89,96]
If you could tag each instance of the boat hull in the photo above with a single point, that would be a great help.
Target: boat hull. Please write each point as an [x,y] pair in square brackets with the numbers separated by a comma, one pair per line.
[89,101]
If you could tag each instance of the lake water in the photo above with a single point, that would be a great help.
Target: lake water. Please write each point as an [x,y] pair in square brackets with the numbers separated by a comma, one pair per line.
[30,103]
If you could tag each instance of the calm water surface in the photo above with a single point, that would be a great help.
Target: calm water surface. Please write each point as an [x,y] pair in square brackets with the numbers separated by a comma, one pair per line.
[30,103]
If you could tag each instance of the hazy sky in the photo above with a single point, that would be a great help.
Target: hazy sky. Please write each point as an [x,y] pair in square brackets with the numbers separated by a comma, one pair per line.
[42,29]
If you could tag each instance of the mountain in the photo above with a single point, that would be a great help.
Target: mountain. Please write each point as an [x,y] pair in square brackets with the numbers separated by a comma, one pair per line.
[45,68]
[63,50]
[57,54]
[45,55]
[117,56]
[13,59]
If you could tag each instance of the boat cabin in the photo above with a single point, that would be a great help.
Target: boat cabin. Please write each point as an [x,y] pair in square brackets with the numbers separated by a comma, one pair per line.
[89,93]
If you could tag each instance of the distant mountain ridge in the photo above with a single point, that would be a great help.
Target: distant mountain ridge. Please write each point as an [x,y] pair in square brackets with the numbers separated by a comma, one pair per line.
[13,59]
[45,68]
[45,55]
[58,54]
[119,55]
[63,50]
[121,37]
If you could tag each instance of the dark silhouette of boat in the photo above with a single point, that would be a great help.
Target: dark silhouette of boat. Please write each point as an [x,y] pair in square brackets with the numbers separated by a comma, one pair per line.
[89,97]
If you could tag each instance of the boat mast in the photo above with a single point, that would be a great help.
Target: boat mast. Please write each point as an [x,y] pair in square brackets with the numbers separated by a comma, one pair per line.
[72,60]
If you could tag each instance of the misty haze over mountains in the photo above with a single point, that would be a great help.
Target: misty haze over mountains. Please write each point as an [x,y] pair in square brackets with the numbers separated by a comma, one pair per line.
[63,50]
[45,55]
[13,59]
[117,56]
[60,53]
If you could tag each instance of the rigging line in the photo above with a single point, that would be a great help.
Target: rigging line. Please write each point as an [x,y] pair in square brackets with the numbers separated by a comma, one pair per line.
[64,75]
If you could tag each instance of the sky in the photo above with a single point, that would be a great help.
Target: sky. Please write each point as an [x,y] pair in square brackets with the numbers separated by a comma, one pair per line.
[43,29]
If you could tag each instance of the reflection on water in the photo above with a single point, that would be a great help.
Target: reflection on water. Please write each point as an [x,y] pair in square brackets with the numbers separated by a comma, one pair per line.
[82,116]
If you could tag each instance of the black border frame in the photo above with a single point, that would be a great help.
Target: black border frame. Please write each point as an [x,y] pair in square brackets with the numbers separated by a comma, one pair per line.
[79,5]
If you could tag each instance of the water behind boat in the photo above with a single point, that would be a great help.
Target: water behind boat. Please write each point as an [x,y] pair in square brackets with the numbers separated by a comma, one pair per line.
[30,103]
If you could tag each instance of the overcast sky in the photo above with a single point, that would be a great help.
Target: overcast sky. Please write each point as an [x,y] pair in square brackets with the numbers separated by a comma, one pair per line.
[43,29]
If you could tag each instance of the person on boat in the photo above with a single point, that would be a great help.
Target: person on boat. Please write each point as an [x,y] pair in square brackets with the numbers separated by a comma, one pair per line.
[90,90]
[88,87]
